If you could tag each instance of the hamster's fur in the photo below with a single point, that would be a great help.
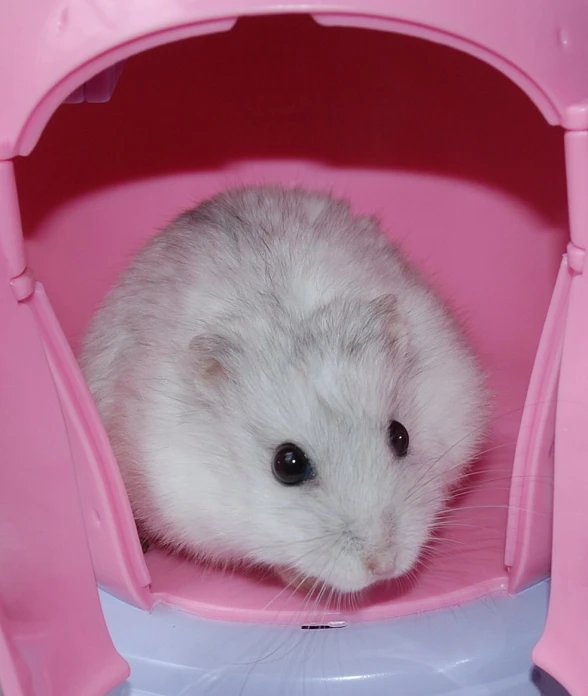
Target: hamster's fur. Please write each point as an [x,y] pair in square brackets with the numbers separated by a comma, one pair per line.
[263,316]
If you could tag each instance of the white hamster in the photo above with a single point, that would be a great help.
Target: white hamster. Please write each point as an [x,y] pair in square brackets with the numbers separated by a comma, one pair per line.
[282,388]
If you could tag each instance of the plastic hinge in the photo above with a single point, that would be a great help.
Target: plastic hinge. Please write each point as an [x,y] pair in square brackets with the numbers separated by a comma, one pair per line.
[23,285]
[576,257]
[575,117]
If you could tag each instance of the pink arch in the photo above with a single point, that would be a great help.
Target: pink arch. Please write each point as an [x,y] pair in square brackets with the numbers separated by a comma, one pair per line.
[83,72]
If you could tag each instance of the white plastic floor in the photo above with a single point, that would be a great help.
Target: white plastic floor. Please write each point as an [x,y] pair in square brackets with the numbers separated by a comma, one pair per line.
[480,649]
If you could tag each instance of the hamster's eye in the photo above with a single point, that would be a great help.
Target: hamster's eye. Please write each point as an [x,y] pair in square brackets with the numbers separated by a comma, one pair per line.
[291,466]
[398,438]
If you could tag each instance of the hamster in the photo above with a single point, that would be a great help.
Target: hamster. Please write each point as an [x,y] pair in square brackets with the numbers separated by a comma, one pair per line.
[281,388]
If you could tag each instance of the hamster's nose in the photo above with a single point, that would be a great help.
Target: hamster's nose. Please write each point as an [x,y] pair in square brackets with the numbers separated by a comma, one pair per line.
[380,567]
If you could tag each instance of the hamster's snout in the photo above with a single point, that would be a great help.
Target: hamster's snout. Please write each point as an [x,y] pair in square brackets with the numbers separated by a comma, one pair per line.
[355,575]
[380,567]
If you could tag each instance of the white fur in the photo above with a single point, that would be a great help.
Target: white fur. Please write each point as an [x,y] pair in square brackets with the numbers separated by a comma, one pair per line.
[282,289]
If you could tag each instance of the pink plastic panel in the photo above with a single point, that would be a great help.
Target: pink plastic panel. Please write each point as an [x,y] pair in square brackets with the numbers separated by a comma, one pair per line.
[562,648]
[53,631]
[530,515]
[105,506]
[460,166]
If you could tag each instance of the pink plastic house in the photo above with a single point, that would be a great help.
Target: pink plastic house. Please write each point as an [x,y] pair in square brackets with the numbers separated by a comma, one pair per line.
[463,159]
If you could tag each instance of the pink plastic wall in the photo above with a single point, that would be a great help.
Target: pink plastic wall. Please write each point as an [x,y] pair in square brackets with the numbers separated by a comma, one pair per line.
[48,597]
[460,165]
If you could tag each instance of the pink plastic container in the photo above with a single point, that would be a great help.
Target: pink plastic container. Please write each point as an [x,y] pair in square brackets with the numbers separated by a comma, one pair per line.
[464,157]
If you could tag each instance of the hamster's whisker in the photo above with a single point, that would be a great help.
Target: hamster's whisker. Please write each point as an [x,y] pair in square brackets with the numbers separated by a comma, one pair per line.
[433,463]
[324,590]
[323,586]
[308,598]
[499,417]
[467,491]
[423,481]
[504,507]
[323,537]
[293,586]
[481,532]
[326,538]
[488,450]
[409,579]
[253,550]
[505,475]
[484,479]
[451,524]
[416,488]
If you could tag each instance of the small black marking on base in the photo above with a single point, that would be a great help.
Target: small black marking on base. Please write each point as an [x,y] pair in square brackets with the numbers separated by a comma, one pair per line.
[317,627]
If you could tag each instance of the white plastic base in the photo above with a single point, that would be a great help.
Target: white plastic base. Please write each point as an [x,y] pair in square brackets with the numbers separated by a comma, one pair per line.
[479,649]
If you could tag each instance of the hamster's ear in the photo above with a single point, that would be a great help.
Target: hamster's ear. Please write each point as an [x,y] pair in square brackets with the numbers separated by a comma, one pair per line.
[384,309]
[211,358]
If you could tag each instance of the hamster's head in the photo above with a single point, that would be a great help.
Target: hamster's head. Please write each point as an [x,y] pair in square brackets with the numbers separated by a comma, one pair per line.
[345,434]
